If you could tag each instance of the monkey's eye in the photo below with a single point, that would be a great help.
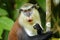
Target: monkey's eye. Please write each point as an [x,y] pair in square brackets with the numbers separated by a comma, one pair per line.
[29,9]
[25,10]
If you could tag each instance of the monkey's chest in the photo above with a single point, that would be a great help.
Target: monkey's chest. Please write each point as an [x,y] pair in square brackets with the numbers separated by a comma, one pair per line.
[43,36]
[24,36]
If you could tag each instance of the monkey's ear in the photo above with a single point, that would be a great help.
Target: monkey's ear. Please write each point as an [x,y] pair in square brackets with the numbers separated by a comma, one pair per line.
[36,6]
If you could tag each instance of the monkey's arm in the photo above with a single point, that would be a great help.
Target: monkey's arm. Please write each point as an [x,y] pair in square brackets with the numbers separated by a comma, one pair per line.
[13,33]
[12,36]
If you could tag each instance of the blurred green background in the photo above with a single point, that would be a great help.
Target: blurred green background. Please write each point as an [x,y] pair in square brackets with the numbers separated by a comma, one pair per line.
[9,13]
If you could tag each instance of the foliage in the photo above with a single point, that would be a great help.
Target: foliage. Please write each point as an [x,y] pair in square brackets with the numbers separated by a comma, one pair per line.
[42,4]
[5,22]
[3,12]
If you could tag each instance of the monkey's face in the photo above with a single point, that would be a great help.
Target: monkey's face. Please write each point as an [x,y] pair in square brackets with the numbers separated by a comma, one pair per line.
[28,14]
[29,18]
[27,11]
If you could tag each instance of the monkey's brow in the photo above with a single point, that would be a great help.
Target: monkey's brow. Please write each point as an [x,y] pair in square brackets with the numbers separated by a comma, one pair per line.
[27,9]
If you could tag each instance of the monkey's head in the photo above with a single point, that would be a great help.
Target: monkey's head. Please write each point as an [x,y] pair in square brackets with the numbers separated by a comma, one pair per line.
[27,11]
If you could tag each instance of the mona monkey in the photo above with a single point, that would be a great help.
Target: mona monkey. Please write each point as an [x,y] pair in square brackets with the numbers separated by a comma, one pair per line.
[28,25]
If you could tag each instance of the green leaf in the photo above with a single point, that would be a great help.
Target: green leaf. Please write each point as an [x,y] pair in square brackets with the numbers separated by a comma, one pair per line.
[1,31]
[3,12]
[5,24]
[42,4]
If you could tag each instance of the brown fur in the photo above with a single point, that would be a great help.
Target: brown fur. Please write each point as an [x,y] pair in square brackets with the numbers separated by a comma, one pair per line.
[13,32]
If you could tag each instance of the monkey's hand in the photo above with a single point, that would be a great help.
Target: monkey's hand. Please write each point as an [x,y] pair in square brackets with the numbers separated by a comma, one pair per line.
[38,28]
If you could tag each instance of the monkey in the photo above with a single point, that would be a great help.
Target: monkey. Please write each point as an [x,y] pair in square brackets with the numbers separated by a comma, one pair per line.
[28,25]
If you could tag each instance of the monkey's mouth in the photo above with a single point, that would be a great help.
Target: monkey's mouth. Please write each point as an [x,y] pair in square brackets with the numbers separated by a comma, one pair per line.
[30,20]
